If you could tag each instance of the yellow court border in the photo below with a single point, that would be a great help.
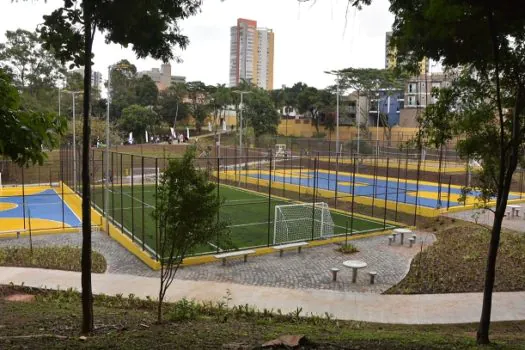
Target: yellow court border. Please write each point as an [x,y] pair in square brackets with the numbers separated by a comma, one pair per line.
[402,207]
[426,165]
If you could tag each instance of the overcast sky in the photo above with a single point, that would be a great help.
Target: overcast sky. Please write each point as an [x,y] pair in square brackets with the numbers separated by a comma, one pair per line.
[310,38]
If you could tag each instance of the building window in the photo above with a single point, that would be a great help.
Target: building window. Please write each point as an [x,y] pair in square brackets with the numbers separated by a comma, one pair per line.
[412,87]
[411,100]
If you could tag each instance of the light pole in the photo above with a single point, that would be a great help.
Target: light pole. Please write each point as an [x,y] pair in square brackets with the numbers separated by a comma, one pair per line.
[377,125]
[74,137]
[240,121]
[338,88]
[337,119]
[106,155]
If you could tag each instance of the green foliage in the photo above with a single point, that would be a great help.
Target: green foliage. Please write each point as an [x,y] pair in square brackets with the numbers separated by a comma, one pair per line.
[170,104]
[347,248]
[137,119]
[57,258]
[187,208]
[198,106]
[34,67]
[261,114]
[25,134]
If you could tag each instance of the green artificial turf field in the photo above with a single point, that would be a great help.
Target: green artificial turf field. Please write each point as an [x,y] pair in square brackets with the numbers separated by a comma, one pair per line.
[247,214]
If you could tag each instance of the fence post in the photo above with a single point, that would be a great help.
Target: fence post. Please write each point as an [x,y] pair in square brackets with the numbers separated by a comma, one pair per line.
[219,197]
[111,178]
[156,206]
[122,202]
[448,194]
[397,190]
[300,171]
[143,203]
[386,192]
[133,200]
[270,199]
[417,187]
[316,161]
[24,200]
[104,189]
[353,196]
[374,186]
[336,177]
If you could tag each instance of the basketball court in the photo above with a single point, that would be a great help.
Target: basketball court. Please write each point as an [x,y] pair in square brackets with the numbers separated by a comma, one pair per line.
[35,208]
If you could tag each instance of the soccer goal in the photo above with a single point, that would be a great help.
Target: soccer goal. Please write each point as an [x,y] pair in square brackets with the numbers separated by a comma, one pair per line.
[299,222]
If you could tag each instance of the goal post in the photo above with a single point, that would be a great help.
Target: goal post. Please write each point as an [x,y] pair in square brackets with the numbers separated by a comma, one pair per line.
[300,222]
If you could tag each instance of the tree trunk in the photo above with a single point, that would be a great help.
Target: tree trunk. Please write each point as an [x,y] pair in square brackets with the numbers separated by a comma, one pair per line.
[161,296]
[87,296]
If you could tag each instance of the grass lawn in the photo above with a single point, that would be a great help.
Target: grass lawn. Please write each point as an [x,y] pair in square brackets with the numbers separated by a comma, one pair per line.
[52,320]
[250,215]
[57,258]
[456,262]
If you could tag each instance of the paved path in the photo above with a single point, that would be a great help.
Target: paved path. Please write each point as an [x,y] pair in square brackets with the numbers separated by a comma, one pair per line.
[406,309]
[486,217]
[311,268]
[308,270]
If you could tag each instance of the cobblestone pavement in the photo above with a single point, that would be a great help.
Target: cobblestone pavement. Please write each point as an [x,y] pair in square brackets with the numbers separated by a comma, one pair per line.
[118,258]
[486,217]
[310,269]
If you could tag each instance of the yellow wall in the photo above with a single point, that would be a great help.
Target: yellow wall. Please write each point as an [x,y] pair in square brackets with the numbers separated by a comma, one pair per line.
[298,128]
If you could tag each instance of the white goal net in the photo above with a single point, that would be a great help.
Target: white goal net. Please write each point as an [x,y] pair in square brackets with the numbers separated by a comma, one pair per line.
[299,222]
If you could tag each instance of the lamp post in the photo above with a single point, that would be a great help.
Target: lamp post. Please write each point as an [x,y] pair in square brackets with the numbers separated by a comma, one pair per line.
[74,137]
[242,93]
[106,155]
[377,125]
[338,92]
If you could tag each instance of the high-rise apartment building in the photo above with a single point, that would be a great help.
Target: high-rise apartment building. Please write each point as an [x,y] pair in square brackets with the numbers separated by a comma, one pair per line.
[251,54]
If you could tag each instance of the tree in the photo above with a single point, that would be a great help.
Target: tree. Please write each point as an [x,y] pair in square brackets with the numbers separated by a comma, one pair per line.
[487,38]
[308,102]
[187,214]
[220,98]
[261,114]
[25,134]
[33,66]
[146,91]
[137,119]
[198,106]
[151,28]
[123,91]
[171,106]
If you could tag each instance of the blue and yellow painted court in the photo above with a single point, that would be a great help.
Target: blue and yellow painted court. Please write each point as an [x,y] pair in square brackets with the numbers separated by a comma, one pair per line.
[35,208]
[425,198]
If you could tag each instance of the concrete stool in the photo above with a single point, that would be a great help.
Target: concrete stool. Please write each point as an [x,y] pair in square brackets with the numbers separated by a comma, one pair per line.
[394,236]
[411,241]
[372,276]
[390,239]
[414,236]
[334,270]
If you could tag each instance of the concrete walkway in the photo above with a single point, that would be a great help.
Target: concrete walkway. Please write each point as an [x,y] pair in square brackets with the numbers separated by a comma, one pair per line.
[406,309]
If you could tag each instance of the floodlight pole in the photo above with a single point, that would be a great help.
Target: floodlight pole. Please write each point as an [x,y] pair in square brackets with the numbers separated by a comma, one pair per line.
[377,126]
[74,137]
[337,119]
[240,125]
[106,182]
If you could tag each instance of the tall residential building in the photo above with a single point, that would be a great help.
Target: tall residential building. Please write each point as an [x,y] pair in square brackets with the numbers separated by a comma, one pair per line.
[251,54]
[162,77]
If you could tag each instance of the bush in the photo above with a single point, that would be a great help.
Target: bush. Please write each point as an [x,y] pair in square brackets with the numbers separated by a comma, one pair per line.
[57,258]
[347,249]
